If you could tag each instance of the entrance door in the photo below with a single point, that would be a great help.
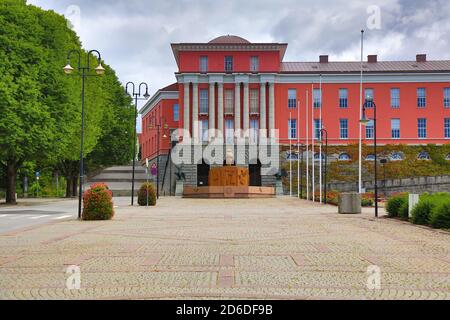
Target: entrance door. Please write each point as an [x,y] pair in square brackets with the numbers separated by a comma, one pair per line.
[202,174]
[254,171]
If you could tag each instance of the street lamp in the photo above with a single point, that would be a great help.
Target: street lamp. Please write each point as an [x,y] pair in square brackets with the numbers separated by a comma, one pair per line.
[365,121]
[158,127]
[136,95]
[322,132]
[99,70]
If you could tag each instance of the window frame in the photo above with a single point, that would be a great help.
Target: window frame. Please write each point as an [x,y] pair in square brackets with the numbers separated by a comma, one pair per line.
[395,100]
[176,112]
[228,65]
[254,67]
[292,102]
[204,101]
[342,130]
[202,67]
[421,100]
[395,132]
[422,131]
[343,101]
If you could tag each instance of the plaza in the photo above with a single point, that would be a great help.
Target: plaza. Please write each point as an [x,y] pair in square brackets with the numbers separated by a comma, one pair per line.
[278,248]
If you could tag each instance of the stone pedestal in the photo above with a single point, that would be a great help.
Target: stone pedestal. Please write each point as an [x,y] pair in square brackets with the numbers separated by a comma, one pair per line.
[350,203]
[413,199]
[179,188]
[228,176]
[279,188]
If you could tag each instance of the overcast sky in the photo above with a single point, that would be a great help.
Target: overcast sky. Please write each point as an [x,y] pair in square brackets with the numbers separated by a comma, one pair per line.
[134,36]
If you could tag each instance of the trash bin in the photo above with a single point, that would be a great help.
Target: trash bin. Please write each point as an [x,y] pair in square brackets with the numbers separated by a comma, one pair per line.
[350,203]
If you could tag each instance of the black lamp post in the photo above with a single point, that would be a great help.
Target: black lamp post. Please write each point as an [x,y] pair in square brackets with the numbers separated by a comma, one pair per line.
[158,127]
[99,70]
[136,96]
[364,121]
[322,132]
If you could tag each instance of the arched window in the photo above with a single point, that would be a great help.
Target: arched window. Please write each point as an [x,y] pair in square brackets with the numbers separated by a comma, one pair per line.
[423,156]
[291,156]
[344,157]
[447,157]
[396,156]
[370,157]
[318,156]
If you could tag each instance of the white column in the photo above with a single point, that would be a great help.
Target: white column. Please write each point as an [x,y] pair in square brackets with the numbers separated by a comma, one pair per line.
[246,111]
[212,109]
[195,112]
[271,109]
[220,108]
[237,106]
[186,108]
[262,109]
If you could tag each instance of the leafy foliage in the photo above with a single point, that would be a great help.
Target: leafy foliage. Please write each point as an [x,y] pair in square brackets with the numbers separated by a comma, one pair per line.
[395,203]
[440,216]
[97,203]
[147,189]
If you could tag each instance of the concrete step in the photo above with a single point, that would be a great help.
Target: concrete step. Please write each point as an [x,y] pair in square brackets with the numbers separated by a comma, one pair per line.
[120,176]
[124,169]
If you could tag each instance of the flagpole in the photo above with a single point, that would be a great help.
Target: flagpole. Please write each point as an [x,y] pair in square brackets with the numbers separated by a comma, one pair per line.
[307,145]
[320,146]
[298,147]
[290,154]
[312,145]
[360,116]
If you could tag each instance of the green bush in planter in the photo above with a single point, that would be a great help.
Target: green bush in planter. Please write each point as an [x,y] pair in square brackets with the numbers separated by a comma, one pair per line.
[394,204]
[440,216]
[421,212]
[144,190]
[97,203]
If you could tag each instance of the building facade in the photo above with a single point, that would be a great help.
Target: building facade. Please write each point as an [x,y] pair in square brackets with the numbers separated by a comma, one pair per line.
[230,88]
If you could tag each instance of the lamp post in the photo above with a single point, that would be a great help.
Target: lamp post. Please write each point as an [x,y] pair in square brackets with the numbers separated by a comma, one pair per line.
[322,132]
[99,70]
[158,127]
[136,95]
[364,121]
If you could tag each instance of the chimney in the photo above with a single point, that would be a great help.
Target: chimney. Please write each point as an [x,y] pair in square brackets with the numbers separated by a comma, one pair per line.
[323,59]
[372,58]
[421,58]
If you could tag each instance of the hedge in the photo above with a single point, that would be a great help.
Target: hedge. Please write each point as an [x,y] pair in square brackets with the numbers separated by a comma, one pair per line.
[97,203]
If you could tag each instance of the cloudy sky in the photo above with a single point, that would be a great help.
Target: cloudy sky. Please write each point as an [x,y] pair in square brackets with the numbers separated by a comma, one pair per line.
[134,36]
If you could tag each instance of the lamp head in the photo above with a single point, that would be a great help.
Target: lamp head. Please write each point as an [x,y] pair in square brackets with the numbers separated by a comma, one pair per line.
[146,95]
[100,70]
[68,69]
[364,120]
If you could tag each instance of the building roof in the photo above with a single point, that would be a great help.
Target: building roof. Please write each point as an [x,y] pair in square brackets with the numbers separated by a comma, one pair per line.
[170,87]
[355,67]
[168,92]
[229,39]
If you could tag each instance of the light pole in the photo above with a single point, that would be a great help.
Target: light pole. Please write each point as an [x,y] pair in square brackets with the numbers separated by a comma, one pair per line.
[99,70]
[364,121]
[136,96]
[324,131]
[158,127]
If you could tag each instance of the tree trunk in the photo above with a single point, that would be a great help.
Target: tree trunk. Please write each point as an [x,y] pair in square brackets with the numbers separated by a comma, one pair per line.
[68,187]
[74,186]
[11,173]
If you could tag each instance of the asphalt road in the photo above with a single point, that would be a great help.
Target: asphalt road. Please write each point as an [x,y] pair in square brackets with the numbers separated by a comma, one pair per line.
[36,213]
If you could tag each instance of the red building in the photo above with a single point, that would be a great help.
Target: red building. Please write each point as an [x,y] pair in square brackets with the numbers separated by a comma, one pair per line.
[229,84]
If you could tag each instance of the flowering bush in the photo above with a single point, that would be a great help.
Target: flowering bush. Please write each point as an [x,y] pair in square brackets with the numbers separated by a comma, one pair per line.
[147,189]
[97,203]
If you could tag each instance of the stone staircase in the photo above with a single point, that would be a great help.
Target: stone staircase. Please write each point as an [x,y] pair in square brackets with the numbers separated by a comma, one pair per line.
[119,179]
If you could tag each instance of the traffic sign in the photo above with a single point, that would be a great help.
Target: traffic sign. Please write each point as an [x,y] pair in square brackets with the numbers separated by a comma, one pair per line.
[154,169]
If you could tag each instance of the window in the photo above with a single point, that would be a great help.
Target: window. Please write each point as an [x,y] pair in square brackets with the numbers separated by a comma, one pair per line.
[176,112]
[254,128]
[421,97]
[344,157]
[343,98]
[317,98]
[447,128]
[423,156]
[204,129]
[447,157]
[395,128]
[254,101]
[292,129]
[395,98]
[369,93]
[396,156]
[292,98]
[228,64]
[317,127]
[204,101]
[369,130]
[292,156]
[203,64]
[370,157]
[254,64]
[319,156]
[229,131]
[229,101]
[422,128]
[343,128]
[447,97]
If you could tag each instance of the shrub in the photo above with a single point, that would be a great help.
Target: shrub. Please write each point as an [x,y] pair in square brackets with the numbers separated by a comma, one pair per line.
[440,216]
[403,211]
[421,212]
[366,202]
[394,204]
[144,190]
[97,203]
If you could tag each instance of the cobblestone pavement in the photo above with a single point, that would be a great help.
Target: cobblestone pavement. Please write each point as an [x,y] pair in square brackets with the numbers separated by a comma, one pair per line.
[226,249]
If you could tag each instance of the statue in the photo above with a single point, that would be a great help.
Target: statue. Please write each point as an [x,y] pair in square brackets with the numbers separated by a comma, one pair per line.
[229,158]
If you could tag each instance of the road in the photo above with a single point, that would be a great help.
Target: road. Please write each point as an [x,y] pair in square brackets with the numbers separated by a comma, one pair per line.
[41,211]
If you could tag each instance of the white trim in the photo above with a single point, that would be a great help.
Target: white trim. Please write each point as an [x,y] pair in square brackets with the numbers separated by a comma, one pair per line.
[156,98]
